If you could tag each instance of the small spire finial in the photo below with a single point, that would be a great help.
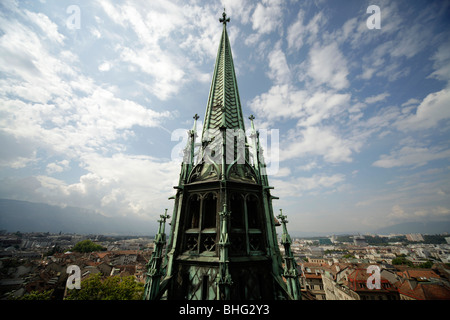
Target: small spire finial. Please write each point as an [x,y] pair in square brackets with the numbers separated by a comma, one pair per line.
[224,20]
[282,217]
[194,129]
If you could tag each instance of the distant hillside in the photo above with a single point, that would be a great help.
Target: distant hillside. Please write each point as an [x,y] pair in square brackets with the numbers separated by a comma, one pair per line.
[28,217]
[430,227]
[436,227]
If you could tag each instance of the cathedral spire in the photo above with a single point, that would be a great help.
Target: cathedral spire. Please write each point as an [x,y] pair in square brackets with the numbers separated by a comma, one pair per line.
[223,242]
[224,109]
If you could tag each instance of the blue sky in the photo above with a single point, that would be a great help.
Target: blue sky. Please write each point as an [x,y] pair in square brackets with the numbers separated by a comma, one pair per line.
[92,105]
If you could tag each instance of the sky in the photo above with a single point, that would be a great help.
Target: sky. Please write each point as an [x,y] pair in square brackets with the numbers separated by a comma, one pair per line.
[96,98]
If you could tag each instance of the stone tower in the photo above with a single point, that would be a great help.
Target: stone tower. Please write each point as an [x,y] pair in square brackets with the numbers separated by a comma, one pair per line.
[223,242]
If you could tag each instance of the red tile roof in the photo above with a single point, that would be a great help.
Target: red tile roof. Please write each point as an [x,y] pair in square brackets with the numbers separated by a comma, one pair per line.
[419,274]
[425,291]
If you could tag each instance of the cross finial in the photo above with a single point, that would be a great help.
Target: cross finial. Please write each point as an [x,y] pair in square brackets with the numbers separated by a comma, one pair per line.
[224,20]
[252,117]
[282,217]
[165,216]
[194,129]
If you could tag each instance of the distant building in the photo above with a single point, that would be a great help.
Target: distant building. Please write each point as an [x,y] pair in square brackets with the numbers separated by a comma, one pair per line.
[423,253]
[311,280]
[316,251]
[350,283]
[324,241]
[414,237]
[359,241]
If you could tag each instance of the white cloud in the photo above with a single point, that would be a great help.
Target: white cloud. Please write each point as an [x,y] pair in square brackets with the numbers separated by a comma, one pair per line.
[33,73]
[316,141]
[282,172]
[367,73]
[433,109]
[323,105]
[411,41]
[410,102]
[164,50]
[279,69]
[49,28]
[120,185]
[96,33]
[327,65]
[167,75]
[105,66]
[298,186]
[57,167]
[309,166]
[400,214]
[311,108]
[41,104]
[281,101]
[377,98]
[239,9]
[267,16]
[77,125]
[133,179]
[298,33]
[442,63]
[411,156]
[61,116]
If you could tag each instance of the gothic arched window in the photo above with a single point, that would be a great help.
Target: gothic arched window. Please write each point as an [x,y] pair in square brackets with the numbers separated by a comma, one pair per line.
[237,211]
[209,211]
[194,212]
[253,216]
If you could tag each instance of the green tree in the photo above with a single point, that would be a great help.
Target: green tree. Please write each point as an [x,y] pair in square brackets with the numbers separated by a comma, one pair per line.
[402,260]
[36,295]
[87,246]
[53,250]
[426,265]
[111,288]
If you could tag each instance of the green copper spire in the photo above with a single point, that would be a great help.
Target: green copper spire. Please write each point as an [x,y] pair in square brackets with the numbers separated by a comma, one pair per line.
[155,269]
[223,109]
[290,266]
[223,242]
[224,153]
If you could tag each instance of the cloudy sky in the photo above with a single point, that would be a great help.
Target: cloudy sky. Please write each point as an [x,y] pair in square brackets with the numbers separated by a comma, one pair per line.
[96,97]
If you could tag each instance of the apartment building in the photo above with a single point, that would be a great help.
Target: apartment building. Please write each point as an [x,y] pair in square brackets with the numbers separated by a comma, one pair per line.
[350,283]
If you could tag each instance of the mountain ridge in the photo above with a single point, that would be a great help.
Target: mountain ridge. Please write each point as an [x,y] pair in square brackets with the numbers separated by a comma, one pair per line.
[24,216]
